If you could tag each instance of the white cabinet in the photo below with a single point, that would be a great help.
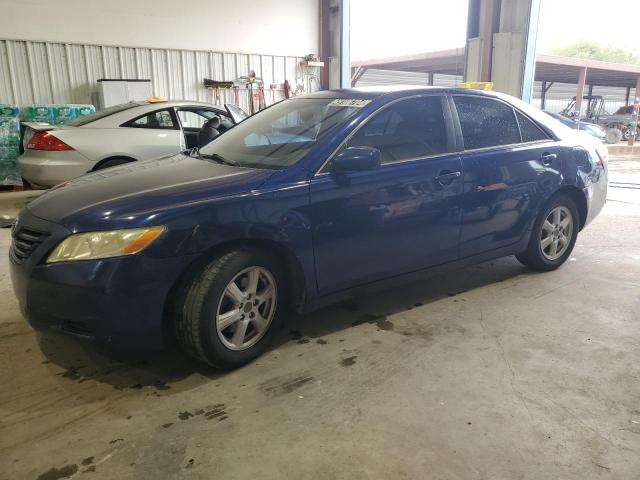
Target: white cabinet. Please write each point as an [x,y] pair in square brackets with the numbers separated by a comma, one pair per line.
[115,91]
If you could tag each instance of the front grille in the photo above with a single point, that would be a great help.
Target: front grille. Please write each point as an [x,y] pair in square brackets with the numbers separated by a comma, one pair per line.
[25,242]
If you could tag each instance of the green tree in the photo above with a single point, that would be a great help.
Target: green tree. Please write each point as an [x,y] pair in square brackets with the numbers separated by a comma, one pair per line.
[596,51]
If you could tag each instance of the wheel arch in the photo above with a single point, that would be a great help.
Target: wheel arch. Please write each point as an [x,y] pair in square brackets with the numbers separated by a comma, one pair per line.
[98,165]
[291,264]
[579,198]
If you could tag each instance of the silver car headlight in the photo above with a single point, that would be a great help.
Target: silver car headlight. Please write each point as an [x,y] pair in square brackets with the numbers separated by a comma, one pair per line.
[97,245]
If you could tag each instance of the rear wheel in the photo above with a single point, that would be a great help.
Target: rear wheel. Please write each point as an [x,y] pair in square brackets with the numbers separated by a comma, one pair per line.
[554,235]
[232,308]
[614,135]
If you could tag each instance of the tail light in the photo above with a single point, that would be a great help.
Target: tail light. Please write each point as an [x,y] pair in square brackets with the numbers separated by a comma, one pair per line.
[46,141]
[603,154]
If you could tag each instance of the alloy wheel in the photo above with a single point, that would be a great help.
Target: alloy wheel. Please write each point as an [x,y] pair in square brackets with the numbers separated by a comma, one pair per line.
[246,308]
[556,233]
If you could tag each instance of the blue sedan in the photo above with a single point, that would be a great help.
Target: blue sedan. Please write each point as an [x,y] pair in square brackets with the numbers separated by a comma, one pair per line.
[302,205]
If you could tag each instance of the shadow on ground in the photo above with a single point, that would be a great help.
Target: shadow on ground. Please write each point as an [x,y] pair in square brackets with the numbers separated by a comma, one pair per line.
[128,370]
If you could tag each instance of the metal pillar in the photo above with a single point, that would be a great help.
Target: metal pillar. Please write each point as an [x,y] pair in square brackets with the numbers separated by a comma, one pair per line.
[582,80]
[626,98]
[345,44]
[638,87]
[543,94]
[501,35]
[430,79]
[334,43]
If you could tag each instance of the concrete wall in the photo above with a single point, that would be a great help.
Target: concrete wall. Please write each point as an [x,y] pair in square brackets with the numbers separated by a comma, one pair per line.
[279,27]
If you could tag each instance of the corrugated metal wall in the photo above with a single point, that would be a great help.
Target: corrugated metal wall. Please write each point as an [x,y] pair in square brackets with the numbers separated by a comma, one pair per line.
[43,72]
[373,77]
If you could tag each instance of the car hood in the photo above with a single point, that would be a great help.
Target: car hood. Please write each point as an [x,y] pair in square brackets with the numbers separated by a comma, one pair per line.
[128,191]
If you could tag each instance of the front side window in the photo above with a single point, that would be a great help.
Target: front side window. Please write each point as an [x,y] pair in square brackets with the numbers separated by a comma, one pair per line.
[281,135]
[408,129]
[159,119]
[486,122]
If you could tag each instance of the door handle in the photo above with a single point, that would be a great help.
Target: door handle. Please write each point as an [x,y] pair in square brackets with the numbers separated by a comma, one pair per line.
[547,158]
[446,177]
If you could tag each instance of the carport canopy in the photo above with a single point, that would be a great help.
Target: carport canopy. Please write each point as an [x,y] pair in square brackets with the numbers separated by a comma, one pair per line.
[549,69]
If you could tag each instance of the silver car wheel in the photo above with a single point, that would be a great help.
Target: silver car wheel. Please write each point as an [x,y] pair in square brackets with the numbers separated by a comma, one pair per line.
[246,308]
[556,233]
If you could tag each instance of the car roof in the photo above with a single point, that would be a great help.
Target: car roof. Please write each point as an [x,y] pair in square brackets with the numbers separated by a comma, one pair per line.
[141,108]
[373,92]
[386,93]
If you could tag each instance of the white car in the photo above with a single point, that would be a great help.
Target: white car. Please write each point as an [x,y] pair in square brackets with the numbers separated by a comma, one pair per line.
[120,134]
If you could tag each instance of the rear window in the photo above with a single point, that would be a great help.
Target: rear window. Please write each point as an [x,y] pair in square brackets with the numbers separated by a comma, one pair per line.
[105,113]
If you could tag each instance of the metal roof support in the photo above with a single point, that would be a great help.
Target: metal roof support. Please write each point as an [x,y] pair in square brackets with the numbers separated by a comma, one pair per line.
[582,79]
[335,43]
[501,41]
[637,89]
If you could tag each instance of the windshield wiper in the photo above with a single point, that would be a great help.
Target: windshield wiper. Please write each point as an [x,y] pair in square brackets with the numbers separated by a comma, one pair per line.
[218,158]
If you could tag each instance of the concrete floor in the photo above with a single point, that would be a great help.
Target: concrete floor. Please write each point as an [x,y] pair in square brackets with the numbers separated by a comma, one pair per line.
[490,372]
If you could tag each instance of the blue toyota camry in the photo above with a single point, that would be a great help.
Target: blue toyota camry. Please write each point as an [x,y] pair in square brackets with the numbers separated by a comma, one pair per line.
[299,206]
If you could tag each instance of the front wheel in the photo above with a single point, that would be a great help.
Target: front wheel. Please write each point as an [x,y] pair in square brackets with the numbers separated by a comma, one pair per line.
[232,308]
[554,235]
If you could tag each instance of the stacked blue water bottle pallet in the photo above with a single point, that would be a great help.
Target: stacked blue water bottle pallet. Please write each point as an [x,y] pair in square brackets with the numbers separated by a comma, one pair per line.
[55,114]
[9,145]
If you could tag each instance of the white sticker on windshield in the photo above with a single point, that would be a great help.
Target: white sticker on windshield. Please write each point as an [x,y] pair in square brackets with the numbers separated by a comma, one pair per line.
[349,102]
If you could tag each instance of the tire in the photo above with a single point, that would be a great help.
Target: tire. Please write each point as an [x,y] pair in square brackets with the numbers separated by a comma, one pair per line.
[614,135]
[112,162]
[539,255]
[209,300]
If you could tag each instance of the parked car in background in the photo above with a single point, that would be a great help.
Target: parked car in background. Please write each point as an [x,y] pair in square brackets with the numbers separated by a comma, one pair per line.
[119,134]
[592,129]
[617,126]
[301,205]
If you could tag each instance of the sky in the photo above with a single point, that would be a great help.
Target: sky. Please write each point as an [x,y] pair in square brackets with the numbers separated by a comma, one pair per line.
[383,28]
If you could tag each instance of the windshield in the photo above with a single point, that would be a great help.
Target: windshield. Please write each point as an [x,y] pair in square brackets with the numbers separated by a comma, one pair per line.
[104,113]
[281,135]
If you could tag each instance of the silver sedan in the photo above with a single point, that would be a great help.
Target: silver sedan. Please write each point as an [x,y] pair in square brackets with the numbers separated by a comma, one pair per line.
[120,134]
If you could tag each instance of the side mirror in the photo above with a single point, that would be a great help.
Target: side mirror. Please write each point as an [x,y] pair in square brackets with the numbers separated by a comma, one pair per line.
[356,159]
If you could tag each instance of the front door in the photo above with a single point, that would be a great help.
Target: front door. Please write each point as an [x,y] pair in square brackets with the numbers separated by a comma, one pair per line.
[400,217]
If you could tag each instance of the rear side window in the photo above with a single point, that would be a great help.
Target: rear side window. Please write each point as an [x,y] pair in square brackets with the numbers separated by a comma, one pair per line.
[529,131]
[486,122]
[408,129]
[160,119]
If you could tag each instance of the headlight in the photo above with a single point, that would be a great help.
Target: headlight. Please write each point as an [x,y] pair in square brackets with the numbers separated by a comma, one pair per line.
[95,245]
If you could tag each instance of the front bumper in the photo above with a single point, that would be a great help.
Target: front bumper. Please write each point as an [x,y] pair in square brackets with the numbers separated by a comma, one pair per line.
[48,169]
[118,301]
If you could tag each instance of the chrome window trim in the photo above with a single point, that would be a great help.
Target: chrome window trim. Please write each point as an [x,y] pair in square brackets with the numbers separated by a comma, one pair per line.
[319,171]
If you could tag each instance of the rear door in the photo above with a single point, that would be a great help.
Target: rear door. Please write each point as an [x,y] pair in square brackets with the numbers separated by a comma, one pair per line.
[400,217]
[510,166]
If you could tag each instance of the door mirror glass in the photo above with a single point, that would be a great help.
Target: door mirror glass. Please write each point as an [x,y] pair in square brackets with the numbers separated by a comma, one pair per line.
[356,159]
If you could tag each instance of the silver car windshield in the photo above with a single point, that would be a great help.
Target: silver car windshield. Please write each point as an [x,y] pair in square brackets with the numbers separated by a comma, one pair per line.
[281,135]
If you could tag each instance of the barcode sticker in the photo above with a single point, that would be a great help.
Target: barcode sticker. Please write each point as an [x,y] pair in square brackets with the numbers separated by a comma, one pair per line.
[349,102]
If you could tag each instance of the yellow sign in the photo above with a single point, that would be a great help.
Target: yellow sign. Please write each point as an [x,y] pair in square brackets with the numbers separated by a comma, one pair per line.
[477,85]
